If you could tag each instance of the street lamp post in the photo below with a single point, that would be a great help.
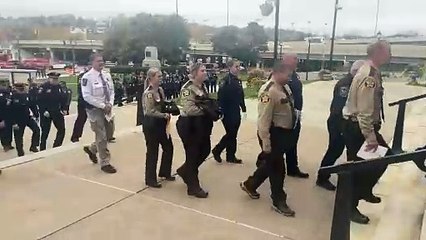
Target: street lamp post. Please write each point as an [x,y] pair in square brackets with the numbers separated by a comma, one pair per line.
[227,13]
[336,8]
[266,9]
[277,19]
[177,7]
[377,17]
[307,58]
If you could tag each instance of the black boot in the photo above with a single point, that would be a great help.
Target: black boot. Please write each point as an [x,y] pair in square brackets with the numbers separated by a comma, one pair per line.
[253,194]
[326,184]
[358,217]
[33,149]
[216,155]
[284,209]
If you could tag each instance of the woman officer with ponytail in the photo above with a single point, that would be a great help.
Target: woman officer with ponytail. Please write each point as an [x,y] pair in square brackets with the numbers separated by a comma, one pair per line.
[155,125]
[194,128]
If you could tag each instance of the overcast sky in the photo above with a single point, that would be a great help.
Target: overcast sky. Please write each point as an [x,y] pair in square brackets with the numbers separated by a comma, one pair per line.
[356,15]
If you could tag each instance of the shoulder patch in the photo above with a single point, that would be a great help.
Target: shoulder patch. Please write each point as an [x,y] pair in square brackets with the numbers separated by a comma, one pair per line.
[343,91]
[186,92]
[149,95]
[370,82]
[84,82]
[264,98]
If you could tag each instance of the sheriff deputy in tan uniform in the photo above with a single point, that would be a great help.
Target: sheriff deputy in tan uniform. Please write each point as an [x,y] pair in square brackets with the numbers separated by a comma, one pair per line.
[155,130]
[363,114]
[276,122]
[194,128]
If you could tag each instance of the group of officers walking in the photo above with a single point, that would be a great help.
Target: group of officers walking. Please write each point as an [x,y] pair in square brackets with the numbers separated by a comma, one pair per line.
[356,115]
[34,107]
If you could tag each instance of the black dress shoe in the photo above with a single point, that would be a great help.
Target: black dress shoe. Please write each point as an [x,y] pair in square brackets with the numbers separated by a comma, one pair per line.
[326,184]
[253,194]
[169,178]
[109,169]
[92,156]
[154,185]
[216,156]
[74,140]
[298,174]
[8,148]
[34,149]
[235,161]
[284,209]
[198,194]
[21,153]
[358,217]
[372,199]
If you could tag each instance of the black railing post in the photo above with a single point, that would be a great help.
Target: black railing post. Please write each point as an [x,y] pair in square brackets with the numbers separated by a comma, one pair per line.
[341,225]
[399,129]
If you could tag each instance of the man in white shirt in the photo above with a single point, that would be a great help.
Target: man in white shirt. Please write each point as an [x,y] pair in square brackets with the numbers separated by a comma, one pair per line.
[98,92]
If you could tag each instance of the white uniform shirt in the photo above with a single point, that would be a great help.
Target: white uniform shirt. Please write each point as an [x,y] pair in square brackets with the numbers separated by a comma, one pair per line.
[92,88]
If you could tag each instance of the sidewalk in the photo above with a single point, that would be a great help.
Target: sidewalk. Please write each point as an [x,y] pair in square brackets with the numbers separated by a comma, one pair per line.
[64,196]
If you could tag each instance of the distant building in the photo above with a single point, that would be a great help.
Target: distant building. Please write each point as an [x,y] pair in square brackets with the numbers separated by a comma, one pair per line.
[102,26]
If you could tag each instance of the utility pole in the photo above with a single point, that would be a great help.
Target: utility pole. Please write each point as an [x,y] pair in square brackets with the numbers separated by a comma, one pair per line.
[377,17]
[177,7]
[277,22]
[227,13]
[333,35]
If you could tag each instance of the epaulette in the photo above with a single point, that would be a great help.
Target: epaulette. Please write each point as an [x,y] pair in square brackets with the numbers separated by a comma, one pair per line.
[269,85]
[187,84]
[148,89]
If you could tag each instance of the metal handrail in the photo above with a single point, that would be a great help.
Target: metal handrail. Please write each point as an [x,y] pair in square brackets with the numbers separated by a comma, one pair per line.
[340,229]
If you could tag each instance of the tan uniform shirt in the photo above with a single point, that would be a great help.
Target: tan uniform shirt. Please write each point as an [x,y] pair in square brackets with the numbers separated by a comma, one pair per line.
[275,108]
[364,101]
[188,93]
[151,101]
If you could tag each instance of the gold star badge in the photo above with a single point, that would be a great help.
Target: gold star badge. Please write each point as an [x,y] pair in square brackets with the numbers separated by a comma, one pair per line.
[264,98]
[370,82]
[186,93]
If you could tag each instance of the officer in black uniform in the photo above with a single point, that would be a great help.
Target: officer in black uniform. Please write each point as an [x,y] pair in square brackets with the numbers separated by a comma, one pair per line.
[22,117]
[5,102]
[213,85]
[231,100]
[139,94]
[77,131]
[296,87]
[68,94]
[51,103]
[336,142]
[207,82]
[194,128]
[155,128]
[119,92]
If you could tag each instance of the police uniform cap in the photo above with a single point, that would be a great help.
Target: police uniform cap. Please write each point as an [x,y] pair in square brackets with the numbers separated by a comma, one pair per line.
[54,74]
